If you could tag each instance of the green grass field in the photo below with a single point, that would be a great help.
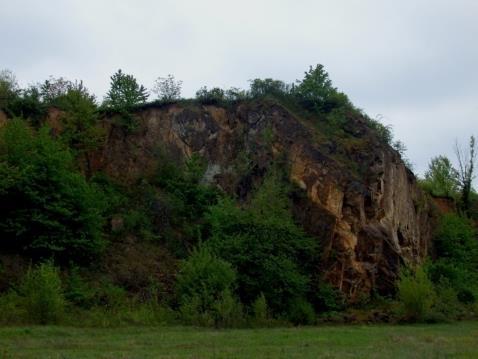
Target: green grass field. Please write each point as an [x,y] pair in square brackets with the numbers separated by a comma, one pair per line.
[407,341]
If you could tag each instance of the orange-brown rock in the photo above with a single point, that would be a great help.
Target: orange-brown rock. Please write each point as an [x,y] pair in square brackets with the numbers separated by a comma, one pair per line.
[359,199]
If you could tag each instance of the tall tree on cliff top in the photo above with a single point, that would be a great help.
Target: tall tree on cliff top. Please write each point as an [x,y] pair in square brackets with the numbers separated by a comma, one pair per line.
[125,92]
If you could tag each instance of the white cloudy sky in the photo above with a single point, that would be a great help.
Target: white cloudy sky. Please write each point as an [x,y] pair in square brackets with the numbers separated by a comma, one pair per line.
[415,62]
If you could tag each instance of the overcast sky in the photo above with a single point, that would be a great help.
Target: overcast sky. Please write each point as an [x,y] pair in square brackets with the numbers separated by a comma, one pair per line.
[414,62]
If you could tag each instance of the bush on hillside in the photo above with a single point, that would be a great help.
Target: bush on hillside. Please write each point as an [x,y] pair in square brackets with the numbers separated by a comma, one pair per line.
[46,207]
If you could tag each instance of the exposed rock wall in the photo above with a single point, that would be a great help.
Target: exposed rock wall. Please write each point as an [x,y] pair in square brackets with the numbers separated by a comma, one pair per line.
[359,199]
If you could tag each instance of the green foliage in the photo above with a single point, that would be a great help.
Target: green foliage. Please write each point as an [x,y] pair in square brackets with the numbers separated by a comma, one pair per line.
[316,93]
[167,89]
[270,253]
[45,206]
[214,96]
[228,309]
[42,294]
[301,312]
[28,105]
[204,278]
[204,286]
[441,179]
[466,173]
[268,87]
[54,88]
[383,132]
[416,294]
[260,310]
[125,93]
[235,94]
[327,298]
[457,257]
[80,132]
[186,194]
[9,89]
[456,239]
[77,291]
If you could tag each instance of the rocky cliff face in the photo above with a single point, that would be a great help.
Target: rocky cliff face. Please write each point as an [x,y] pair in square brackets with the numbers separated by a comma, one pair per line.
[354,194]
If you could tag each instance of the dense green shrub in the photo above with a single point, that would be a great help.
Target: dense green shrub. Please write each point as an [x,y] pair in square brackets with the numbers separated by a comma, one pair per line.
[214,96]
[457,256]
[46,207]
[260,311]
[268,87]
[80,130]
[327,298]
[228,311]
[270,253]
[202,283]
[301,312]
[42,294]
[28,105]
[186,197]
[416,294]
[77,290]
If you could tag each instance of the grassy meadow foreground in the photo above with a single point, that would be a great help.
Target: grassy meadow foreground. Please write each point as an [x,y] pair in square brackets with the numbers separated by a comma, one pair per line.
[407,341]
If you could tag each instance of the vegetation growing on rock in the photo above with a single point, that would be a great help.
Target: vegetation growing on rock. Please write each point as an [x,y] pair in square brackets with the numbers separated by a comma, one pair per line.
[278,203]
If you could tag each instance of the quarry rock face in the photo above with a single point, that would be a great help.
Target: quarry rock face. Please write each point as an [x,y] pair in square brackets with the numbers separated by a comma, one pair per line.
[353,193]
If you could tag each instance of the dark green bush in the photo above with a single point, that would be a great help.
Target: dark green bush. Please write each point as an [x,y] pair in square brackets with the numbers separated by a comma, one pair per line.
[270,253]
[260,311]
[268,87]
[46,207]
[77,290]
[327,298]
[457,256]
[214,96]
[301,312]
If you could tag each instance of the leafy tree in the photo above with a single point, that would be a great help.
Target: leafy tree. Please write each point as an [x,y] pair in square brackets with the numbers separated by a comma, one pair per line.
[167,89]
[186,198]
[202,281]
[260,88]
[42,294]
[441,178]
[125,92]
[46,208]
[28,105]
[214,96]
[53,88]
[9,89]
[236,94]
[466,172]
[270,253]
[316,93]
[80,120]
